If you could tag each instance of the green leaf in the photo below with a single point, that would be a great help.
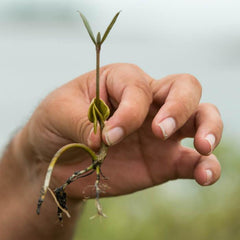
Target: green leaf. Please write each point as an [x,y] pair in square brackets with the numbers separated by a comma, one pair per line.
[98,114]
[90,112]
[103,109]
[92,115]
[110,27]
[90,32]
[98,111]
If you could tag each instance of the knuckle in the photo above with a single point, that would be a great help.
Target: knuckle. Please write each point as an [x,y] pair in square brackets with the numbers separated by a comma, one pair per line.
[215,108]
[123,66]
[52,103]
[189,78]
[131,65]
[211,107]
[145,88]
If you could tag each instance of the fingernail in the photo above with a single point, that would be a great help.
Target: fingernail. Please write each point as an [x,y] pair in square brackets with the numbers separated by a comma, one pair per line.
[209,177]
[114,135]
[211,140]
[167,126]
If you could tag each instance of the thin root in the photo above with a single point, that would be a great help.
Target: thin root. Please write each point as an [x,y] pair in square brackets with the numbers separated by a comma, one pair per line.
[56,201]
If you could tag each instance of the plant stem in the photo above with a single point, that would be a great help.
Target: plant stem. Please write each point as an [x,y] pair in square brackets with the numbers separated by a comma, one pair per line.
[98,48]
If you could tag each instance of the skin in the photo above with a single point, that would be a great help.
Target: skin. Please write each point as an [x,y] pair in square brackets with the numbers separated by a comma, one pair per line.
[141,158]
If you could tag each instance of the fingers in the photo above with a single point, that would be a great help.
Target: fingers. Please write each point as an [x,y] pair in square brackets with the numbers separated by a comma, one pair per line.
[179,96]
[205,126]
[205,170]
[129,89]
[209,128]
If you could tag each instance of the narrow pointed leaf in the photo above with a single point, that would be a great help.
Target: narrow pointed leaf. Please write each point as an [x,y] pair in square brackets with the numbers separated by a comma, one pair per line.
[92,116]
[90,32]
[90,112]
[104,110]
[110,27]
[99,114]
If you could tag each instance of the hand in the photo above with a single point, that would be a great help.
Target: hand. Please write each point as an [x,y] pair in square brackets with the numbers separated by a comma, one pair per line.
[149,120]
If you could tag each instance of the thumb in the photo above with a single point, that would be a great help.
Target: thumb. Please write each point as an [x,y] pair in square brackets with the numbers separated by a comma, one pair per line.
[80,129]
[66,115]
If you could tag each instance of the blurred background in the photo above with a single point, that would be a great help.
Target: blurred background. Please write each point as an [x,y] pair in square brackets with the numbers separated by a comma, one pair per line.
[43,44]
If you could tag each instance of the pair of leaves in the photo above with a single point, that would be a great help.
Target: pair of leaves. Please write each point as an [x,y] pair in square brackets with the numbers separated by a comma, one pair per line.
[98,112]
[98,40]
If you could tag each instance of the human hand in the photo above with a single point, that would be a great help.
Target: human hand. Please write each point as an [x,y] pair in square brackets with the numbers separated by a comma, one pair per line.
[144,153]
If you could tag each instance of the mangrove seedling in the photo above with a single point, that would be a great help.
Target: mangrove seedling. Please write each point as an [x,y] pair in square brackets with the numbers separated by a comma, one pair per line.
[98,113]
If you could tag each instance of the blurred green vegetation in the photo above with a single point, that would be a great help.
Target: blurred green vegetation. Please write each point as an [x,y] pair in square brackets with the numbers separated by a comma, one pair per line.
[176,210]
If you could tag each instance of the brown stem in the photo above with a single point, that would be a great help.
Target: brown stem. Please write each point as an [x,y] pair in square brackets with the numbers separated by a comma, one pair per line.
[98,49]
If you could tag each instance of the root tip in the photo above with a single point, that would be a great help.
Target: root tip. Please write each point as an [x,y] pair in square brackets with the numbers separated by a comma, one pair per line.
[40,201]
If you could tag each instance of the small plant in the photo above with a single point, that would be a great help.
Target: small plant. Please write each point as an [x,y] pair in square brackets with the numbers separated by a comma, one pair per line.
[98,113]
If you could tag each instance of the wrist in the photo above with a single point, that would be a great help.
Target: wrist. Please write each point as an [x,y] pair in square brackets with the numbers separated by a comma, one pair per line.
[21,178]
